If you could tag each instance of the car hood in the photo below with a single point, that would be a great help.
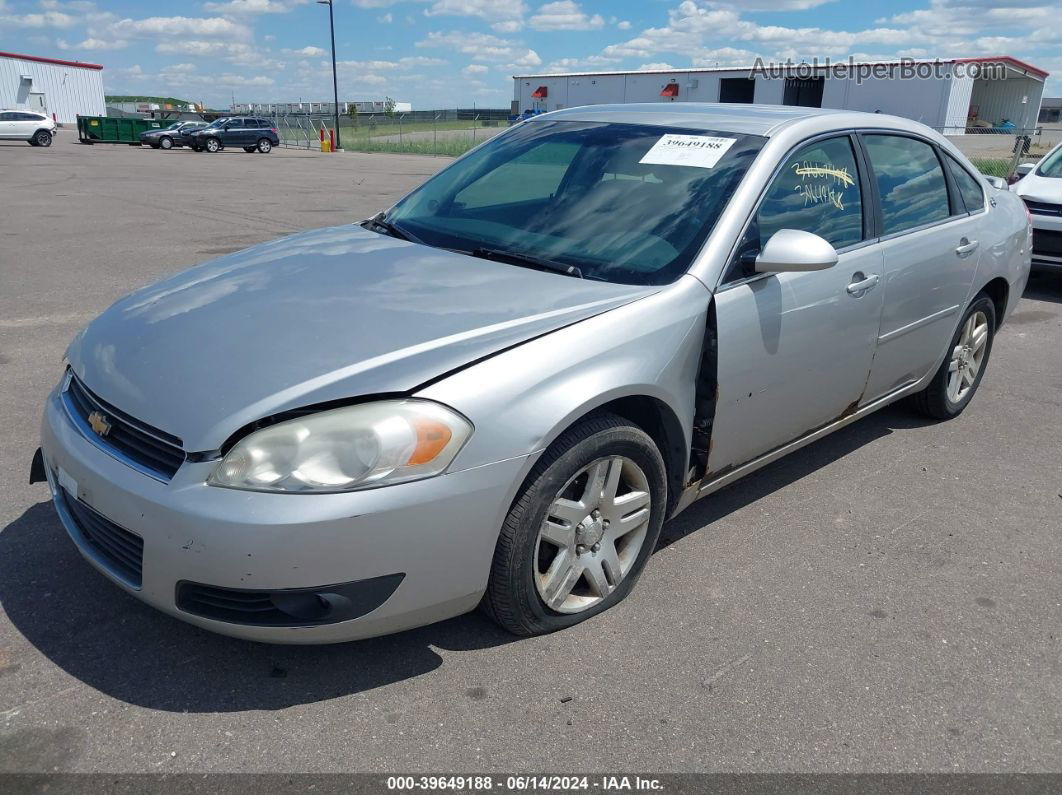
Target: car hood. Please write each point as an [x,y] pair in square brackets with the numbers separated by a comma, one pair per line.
[323,315]
[1042,189]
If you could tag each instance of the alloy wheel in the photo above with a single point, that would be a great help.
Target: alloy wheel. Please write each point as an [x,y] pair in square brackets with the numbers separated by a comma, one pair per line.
[592,534]
[967,356]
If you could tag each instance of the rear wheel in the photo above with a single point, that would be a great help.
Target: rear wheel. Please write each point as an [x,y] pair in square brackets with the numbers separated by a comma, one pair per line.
[212,145]
[954,384]
[165,142]
[581,529]
[265,146]
[42,138]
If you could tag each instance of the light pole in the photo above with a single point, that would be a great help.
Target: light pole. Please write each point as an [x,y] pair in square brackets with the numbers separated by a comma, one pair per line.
[335,83]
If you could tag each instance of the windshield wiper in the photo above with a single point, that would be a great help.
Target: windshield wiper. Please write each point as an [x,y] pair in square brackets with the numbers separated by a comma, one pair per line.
[380,221]
[527,260]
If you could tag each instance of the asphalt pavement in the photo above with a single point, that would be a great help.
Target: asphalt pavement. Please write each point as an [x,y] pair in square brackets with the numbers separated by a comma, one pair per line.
[888,599]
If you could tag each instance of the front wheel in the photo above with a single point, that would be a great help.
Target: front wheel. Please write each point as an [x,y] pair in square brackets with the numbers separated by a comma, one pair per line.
[954,384]
[265,146]
[212,145]
[581,529]
[43,138]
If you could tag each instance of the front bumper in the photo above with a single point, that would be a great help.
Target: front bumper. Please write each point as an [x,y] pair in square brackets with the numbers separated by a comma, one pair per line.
[1047,241]
[439,533]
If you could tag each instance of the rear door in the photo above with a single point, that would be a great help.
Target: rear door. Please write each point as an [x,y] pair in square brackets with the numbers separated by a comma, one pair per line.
[7,124]
[931,247]
[795,349]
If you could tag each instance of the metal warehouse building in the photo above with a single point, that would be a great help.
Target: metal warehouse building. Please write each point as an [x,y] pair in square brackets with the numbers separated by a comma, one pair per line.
[62,88]
[951,95]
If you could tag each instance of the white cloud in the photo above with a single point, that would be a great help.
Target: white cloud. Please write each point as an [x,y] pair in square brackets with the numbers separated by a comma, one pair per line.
[656,65]
[93,44]
[475,69]
[481,46]
[565,15]
[253,6]
[599,62]
[48,19]
[623,24]
[386,19]
[209,27]
[529,58]
[309,52]
[497,11]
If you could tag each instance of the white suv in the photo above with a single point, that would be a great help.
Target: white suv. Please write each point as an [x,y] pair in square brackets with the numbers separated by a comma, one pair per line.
[26,125]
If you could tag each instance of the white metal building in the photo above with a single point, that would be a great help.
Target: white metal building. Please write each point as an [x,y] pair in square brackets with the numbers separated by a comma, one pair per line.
[319,108]
[62,88]
[950,95]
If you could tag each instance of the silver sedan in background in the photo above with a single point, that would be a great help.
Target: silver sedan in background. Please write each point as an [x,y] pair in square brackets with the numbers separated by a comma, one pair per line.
[497,391]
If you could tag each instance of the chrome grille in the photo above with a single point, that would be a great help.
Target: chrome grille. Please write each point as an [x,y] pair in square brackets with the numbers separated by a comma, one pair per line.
[154,452]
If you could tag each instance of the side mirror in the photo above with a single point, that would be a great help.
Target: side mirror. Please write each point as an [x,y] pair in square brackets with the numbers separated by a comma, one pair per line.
[1023,169]
[793,250]
[997,182]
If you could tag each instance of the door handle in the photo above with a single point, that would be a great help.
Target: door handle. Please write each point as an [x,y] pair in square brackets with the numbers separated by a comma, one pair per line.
[857,288]
[966,247]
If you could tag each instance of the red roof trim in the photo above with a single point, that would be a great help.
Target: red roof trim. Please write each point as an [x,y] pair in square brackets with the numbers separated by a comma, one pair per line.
[1028,67]
[38,59]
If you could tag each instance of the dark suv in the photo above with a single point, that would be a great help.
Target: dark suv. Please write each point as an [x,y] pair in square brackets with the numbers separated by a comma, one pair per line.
[251,134]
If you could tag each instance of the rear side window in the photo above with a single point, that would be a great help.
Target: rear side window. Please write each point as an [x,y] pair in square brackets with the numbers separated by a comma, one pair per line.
[911,182]
[973,197]
[817,191]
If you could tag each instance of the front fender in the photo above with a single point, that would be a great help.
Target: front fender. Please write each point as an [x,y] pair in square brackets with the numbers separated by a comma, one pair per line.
[522,399]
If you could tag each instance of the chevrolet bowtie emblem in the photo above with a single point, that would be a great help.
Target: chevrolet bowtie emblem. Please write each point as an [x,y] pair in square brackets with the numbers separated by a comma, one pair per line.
[98,421]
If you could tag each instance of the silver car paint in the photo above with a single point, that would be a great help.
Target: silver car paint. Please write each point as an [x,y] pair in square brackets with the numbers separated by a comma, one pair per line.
[346,311]
[520,390]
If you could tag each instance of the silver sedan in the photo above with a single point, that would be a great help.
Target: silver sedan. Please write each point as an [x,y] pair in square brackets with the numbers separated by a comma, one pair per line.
[494,393]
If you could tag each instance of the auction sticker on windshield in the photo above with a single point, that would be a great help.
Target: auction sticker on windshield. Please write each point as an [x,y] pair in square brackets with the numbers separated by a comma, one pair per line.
[701,151]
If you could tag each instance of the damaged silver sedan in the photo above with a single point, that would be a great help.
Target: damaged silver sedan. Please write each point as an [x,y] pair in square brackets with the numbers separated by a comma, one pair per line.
[495,393]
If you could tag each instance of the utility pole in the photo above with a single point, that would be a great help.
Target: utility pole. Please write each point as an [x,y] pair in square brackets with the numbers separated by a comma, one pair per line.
[335,82]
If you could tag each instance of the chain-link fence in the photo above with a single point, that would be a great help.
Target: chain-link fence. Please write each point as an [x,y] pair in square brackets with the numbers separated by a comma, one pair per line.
[449,132]
[998,152]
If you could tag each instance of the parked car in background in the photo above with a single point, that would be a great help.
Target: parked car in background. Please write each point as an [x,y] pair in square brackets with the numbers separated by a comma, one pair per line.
[1041,190]
[27,125]
[177,134]
[495,392]
[248,133]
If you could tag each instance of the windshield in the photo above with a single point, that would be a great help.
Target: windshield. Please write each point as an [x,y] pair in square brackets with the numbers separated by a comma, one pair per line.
[620,202]
[175,125]
[215,123]
[1051,165]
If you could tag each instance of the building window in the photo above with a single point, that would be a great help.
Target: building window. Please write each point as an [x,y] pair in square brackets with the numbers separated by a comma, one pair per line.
[805,93]
[737,89]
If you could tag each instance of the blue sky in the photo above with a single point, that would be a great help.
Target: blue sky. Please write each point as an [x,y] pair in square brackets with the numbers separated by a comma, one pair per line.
[445,53]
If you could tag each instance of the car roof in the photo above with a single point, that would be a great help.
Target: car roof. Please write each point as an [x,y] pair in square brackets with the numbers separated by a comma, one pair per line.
[765,120]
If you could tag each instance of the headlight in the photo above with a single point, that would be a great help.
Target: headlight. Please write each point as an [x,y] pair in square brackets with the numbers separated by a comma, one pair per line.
[356,447]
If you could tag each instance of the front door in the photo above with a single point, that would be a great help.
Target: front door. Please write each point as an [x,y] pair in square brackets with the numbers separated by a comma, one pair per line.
[931,250]
[7,124]
[795,349]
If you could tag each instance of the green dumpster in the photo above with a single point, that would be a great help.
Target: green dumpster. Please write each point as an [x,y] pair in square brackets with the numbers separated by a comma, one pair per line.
[115,129]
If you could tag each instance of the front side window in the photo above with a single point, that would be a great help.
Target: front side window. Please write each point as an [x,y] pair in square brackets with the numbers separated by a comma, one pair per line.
[621,202]
[973,197]
[911,183]
[816,191]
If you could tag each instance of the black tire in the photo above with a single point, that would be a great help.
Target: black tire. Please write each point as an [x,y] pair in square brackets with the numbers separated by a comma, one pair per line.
[165,142]
[195,147]
[934,401]
[212,145]
[42,138]
[154,146]
[32,141]
[265,146]
[512,598]
[249,149]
